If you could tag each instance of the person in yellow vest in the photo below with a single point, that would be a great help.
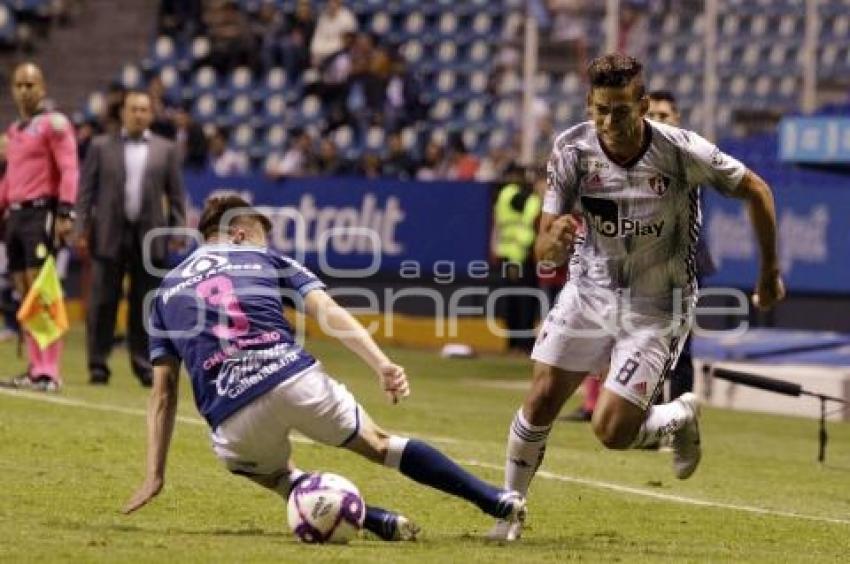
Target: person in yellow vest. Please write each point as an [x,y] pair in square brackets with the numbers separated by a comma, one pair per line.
[515,215]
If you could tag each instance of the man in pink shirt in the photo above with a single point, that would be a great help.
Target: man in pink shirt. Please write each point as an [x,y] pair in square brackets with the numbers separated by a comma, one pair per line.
[39,192]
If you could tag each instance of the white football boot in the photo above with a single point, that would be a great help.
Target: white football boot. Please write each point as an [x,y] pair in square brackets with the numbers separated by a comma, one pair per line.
[510,527]
[686,441]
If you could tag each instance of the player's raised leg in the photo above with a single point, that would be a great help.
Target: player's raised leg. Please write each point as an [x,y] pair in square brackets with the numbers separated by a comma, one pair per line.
[625,416]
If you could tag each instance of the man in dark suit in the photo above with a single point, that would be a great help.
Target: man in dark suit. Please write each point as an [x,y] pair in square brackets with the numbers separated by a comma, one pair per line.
[131,183]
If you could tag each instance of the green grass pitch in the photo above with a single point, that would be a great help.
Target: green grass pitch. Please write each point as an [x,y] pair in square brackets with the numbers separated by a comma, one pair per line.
[67,466]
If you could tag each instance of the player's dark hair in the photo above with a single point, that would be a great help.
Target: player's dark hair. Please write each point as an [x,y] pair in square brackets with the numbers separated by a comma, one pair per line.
[231,207]
[663,96]
[616,70]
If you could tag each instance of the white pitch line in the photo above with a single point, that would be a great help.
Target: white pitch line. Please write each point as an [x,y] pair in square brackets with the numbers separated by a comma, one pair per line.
[36,396]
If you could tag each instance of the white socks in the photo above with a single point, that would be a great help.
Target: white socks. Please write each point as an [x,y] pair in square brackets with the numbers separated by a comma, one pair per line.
[394,452]
[661,420]
[526,447]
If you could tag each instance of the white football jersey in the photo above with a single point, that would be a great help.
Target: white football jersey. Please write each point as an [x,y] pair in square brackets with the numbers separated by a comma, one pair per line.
[642,218]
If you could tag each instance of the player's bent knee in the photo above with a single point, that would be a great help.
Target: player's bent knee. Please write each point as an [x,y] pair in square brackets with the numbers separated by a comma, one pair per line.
[614,433]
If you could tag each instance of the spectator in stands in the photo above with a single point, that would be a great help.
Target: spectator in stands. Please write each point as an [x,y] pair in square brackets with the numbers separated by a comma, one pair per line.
[633,35]
[333,86]
[370,165]
[294,49]
[86,131]
[298,160]
[462,165]
[163,109]
[231,41]
[569,30]
[267,24]
[223,159]
[494,165]
[190,139]
[403,97]
[335,20]
[434,165]
[329,161]
[131,184]
[398,164]
[111,121]
[180,18]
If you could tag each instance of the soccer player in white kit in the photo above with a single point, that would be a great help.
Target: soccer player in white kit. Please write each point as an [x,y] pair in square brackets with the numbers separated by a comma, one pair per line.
[632,288]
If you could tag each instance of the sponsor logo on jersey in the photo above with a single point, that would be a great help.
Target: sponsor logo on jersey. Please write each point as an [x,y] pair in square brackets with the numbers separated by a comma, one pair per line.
[717,157]
[592,181]
[603,216]
[659,184]
[202,263]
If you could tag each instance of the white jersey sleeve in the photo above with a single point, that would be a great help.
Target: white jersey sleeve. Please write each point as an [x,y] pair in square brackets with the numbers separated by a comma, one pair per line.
[706,164]
[562,177]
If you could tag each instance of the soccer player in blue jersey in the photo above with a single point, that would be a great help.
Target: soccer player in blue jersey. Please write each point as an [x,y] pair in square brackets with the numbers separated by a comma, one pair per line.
[220,312]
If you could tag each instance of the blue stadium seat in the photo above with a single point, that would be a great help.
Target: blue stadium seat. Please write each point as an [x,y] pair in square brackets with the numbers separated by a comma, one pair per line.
[172,82]
[95,105]
[241,80]
[205,109]
[240,110]
[274,109]
[164,51]
[131,76]
[242,138]
[7,25]
[204,81]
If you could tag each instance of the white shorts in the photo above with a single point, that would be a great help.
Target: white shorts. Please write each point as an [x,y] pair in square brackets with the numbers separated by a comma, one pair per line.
[592,333]
[255,439]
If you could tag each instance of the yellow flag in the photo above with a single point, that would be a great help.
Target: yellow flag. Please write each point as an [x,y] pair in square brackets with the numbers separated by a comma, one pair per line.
[42,312]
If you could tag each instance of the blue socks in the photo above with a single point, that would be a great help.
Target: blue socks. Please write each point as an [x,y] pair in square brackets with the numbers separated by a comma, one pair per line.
[422,463]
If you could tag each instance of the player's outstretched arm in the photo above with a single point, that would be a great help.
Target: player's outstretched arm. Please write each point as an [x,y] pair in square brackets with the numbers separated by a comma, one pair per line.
[769,289]
[555,238]
[162,411]
[337,322]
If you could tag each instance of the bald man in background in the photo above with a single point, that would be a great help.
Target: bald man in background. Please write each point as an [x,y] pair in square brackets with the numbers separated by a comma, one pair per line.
[38,191]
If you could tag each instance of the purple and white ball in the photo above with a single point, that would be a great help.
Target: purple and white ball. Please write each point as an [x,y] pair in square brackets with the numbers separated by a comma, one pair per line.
[325,508]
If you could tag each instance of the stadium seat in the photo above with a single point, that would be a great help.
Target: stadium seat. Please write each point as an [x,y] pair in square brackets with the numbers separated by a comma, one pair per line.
[200,49]
[510,83]
[205,109]
[413,51]
[477,83]
[276,137]
[375,139]
[240,110]
[204,81]
[475,111]
[442,110]
[95,105]
[243,137]
[506,112]
[482,25]
[164,51]
[343,137]
[172,82]
[274,108]
[380,23]
[131,76]
[241,80]
[7,25]
[571,83]
[447,24]
[414,25]
[446,53]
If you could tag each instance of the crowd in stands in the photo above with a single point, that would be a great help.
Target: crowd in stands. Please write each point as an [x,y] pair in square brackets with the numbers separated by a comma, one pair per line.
[371,99]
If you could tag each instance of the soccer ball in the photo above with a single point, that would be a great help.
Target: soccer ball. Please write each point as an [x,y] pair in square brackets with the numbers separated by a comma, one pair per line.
[325,508]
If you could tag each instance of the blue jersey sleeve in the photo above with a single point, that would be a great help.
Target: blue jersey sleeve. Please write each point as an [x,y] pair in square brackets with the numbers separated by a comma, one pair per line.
[160,345]
[295,276]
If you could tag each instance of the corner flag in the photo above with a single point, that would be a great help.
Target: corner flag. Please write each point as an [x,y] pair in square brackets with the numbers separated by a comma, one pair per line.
[42,312]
